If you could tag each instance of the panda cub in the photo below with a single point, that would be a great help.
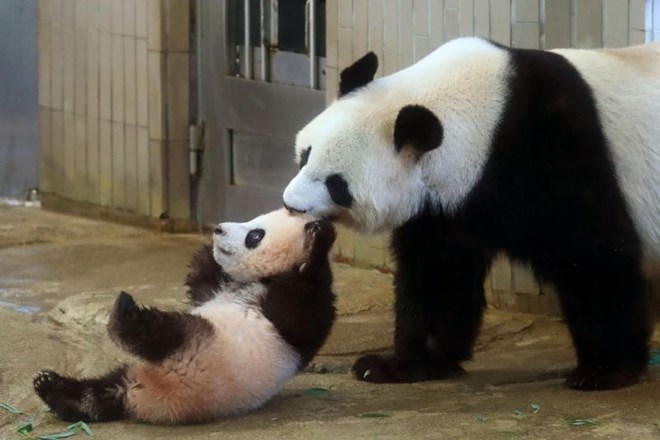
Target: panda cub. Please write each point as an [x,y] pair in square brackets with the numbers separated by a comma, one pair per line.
[263,307]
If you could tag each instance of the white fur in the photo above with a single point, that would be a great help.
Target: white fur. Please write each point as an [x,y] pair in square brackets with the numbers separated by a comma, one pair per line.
[246,361]
[281,249]
[626,85]
[243,365]
[464,84]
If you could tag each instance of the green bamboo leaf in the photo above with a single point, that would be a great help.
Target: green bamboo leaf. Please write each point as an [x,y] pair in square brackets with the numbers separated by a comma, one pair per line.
[25,428]
[579,422]
[373,415]
[11,408]
[57,436]
[535,407]
[316,392]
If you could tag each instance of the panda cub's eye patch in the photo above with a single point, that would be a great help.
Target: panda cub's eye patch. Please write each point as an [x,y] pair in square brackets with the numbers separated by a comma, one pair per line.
[304,156]
[254,237]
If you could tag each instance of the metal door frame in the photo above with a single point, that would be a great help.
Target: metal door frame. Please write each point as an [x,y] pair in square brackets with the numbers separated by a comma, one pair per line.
[256,106]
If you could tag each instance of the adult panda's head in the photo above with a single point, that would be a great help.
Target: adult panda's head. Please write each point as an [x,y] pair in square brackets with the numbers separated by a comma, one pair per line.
[387,148]
[358,159]
[271,244]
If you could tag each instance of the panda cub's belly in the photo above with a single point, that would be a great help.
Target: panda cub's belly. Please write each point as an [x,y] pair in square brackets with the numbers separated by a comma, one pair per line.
[247,361]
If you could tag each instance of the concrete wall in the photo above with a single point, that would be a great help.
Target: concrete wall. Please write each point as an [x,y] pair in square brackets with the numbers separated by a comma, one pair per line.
[113,105]
[401,32]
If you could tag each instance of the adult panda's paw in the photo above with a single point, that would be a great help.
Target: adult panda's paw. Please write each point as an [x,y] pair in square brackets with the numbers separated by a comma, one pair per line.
[391,369]
[587,378]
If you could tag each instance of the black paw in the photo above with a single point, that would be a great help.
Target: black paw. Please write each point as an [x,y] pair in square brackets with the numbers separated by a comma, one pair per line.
[390,369]
[320,232]
[125,302]
[45,382]
[587,378]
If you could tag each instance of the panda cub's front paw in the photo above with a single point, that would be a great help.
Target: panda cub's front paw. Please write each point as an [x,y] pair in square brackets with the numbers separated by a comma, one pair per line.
[321,232]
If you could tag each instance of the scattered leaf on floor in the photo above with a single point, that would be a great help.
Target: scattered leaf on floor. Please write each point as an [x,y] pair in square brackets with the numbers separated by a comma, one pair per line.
[316,392]
[373,415]
[535,407]
[11,408]
[579,422]
[482,419]
[517,412]
[80,425]
[25,428]
[57,436]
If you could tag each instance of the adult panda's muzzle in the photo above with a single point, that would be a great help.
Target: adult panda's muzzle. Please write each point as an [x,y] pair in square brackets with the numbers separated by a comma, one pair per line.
[309,196]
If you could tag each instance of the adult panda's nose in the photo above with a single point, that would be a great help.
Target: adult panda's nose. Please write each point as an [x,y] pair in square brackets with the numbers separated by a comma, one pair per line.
[293,210]
[218,230]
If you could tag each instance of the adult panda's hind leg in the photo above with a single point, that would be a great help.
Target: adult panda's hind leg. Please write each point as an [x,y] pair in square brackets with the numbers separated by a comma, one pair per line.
[91,400]
[153,334]
[439,303]
[606,307]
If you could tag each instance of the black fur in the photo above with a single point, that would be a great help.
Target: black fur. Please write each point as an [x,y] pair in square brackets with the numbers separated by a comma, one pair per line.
[304,156]
[359,74]
[338,190]
[548,196]
[417,126]
[153,334]
[90,400]
[300,304]
[205,276]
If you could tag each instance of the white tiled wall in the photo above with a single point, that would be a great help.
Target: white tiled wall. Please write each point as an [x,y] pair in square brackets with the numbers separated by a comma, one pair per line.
[107,68]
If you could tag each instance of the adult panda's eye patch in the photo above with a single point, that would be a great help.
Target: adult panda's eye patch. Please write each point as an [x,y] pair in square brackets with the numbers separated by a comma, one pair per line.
[338,190]
[254,237]
[304,156]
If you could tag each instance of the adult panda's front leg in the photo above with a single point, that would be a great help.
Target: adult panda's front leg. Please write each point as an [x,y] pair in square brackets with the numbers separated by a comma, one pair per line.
[439,303]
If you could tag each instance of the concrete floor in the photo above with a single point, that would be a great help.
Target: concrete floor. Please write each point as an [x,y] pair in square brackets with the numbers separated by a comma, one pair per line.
[60,275]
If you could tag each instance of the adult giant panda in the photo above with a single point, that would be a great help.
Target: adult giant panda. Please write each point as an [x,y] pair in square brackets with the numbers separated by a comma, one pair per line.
[263,308]
[552,157]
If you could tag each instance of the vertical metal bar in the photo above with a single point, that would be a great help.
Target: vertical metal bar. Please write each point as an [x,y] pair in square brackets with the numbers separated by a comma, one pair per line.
[246,41]
[313,60]
[274,16]
[264,40]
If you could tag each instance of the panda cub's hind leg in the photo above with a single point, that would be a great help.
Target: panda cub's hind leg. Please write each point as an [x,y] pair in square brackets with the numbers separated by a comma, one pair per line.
[91,400]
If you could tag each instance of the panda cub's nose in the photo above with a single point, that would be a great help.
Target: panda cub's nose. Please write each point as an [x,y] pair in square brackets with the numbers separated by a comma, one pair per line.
[218,230]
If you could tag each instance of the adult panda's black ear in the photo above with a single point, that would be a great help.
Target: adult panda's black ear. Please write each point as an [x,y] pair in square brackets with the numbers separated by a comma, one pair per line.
[418,127]
[359,74]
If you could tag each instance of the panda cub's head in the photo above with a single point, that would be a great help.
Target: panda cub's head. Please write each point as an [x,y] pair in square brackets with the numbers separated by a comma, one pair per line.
[268,245]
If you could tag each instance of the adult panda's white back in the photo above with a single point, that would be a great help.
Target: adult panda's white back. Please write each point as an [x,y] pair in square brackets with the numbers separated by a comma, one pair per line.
[626,88]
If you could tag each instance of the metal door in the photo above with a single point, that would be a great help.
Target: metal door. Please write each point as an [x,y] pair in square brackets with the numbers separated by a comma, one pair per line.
[261,79]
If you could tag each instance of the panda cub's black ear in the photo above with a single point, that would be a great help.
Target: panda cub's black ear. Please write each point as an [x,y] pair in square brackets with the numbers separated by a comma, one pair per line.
[359,74]
[418,127]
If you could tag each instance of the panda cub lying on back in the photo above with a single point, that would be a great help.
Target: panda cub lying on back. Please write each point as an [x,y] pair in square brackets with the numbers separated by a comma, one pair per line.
[263,307]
